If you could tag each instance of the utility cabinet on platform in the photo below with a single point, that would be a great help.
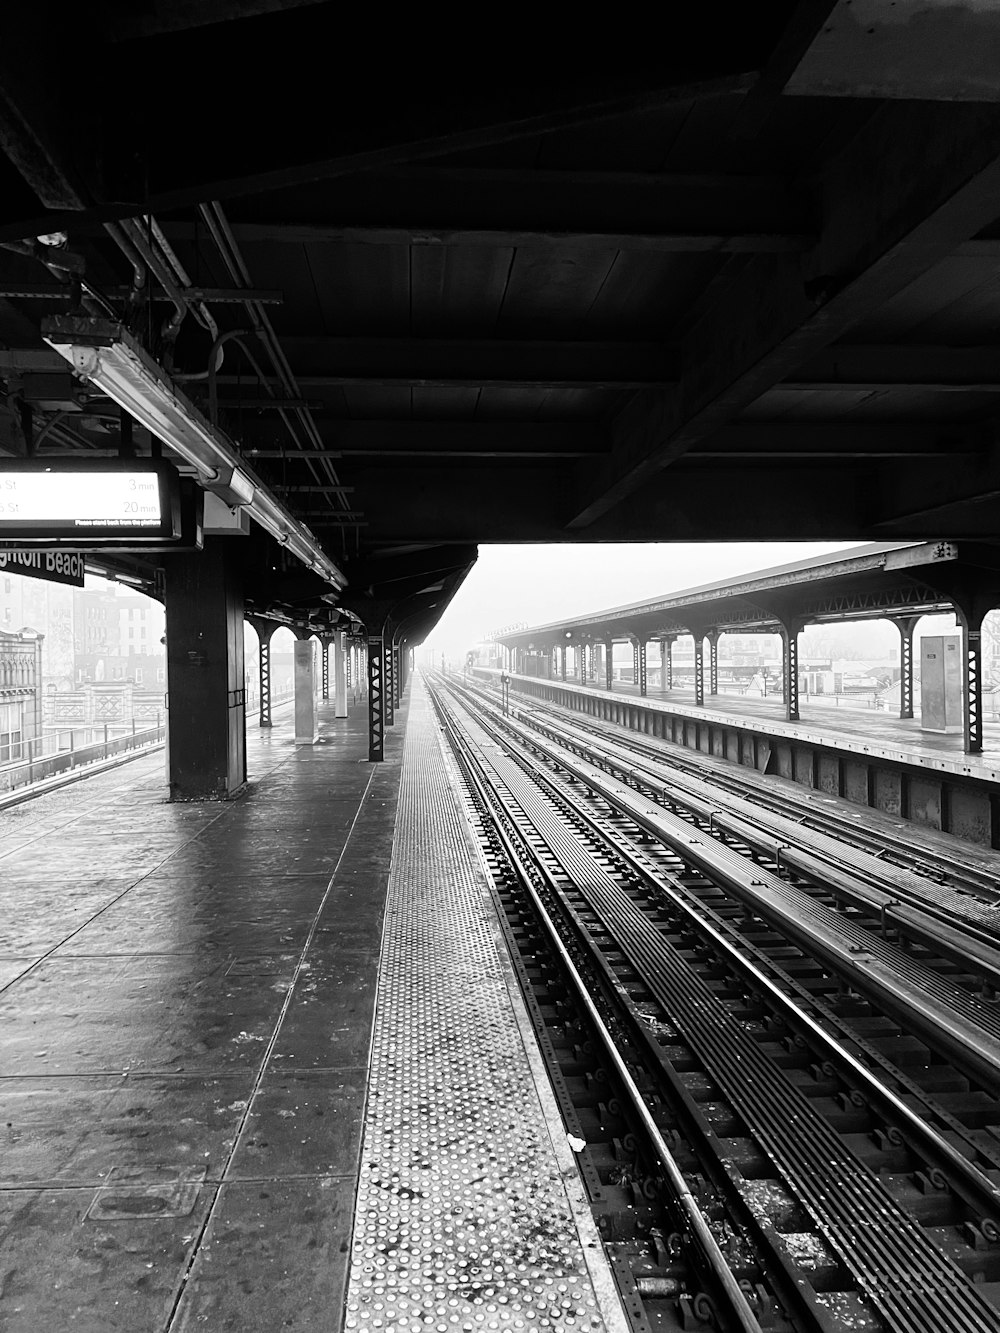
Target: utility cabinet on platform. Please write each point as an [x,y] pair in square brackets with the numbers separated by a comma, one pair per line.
[941,683]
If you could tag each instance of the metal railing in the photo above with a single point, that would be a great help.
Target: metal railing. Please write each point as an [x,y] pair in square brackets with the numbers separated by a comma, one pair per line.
[38,768]
[48,756]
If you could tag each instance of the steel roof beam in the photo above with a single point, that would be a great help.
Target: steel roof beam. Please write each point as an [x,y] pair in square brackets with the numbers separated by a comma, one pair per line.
[456,439]
[876,365]
[655,212]
[326,363]
[883,229]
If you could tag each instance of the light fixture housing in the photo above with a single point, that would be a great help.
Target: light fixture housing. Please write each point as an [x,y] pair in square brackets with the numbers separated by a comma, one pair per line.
[105,353]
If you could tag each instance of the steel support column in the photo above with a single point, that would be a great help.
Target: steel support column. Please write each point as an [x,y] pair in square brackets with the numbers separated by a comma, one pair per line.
[562,661]
[265,682]
[906,627]
[699,668]
[264,630]
[397,675]
[639,663]
[376,691]
[666,664]
[713,662]
[609,663]
[972,693]
[790,670]
[305,667]
[388,688]
[340,656]
[324,647]
[206,688]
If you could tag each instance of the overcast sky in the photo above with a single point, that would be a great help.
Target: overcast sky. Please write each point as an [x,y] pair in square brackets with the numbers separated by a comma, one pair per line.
[537,584]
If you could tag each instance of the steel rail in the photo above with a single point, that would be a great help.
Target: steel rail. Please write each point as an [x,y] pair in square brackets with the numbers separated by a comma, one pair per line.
[923,861]
[741,1317]
[949,904]
[975,1187]
[886,1262]
[972,949]
[972,1026]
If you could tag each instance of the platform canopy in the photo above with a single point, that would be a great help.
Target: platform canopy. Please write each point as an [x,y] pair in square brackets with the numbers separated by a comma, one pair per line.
[892,580]
[495,277]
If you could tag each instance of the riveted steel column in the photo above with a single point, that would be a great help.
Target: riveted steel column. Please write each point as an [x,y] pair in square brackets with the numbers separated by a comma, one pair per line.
[562,661]
[666,664]
[790,670]
[640,663]
[609,663]
[324,647]
[713,662]
[388,687]
[699,668]
[376,719]
[972,658]
[906,627]
[265,677]
[397,675]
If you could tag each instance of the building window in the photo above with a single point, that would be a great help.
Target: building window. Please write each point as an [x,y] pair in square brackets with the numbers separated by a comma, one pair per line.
[138,675]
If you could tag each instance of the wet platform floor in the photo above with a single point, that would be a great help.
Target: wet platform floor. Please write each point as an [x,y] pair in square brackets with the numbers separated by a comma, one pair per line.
[185,1024]
[188,1097]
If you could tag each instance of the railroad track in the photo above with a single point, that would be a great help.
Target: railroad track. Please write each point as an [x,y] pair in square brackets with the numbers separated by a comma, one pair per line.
[905,894]
[894,845]
[767,1145]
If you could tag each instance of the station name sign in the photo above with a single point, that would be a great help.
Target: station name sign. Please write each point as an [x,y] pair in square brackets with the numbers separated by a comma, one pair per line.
[89,503]
[55,566]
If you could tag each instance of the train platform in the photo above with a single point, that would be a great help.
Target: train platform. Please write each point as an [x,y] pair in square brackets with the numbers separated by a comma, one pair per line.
[229,1101]
[867,757]
[844,726]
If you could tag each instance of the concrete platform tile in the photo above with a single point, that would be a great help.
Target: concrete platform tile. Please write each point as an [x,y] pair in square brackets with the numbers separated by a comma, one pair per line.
[35,919]
[328,1023]
[73,1131]
[274,1257]
[267,858]
[204,932]
[11,968]
[99,1014]
[303,1124]
[228,888]
[64,1269]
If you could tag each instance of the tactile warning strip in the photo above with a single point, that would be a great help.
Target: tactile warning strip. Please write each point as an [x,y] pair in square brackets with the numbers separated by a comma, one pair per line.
[464,1220]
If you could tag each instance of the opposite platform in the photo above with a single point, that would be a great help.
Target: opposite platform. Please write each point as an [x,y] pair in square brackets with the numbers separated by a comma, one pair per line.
[870,760]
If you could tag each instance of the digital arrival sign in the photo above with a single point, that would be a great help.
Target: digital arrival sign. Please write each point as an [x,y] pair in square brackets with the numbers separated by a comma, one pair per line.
[134,500]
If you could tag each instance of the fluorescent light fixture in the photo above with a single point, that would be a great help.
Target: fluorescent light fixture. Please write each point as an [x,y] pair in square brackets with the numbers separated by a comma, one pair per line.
[105,353]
